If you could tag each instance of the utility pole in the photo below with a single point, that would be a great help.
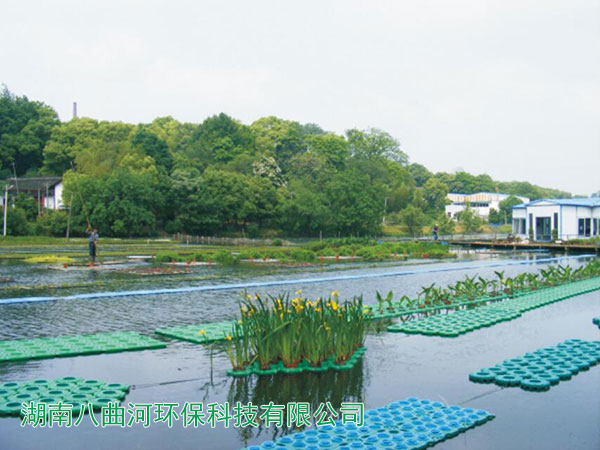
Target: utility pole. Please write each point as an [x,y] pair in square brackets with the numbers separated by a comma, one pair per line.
[5,207]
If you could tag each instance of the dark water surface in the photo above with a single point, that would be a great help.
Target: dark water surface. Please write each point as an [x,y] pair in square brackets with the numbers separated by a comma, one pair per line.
[395,366]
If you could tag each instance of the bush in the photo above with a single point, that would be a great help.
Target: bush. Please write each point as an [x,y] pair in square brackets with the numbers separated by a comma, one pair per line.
[226,258]
[164,257]
[16,222]
[52,223]
[277,243]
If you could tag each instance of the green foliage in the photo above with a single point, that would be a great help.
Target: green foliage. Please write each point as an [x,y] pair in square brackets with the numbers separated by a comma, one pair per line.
[420,174]
[124,204]
[414,219]
[28,205]
[374,143]
[16,222]
[271,178]
[495,217]
[470,221]
[25,127]
[52,223]
[445,225]
[434,193]
[505,213]
[292,330]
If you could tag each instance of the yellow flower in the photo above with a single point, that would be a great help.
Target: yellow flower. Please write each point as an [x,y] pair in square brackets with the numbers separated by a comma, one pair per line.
[335,294]
[228,338]
[239,322]
[281,316]
[248,297]
[334,305]
[202,332]
[309,304]
[299,292]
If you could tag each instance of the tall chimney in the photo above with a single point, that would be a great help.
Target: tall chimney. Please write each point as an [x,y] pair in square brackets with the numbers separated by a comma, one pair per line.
[74,110]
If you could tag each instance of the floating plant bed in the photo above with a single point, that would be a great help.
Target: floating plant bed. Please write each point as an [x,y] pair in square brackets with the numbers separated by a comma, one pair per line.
[596,321]
[203,333]
[543,368]
[22,350]
[68,390]
[464,321]
[304,366]
[407,424]
[461,322]
[390,313]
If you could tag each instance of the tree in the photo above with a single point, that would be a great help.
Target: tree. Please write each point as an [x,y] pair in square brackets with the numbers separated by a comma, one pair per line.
[16,222]
[122,204]
[303,210]
[413,219]
[495,217]
[52,223]
[355,206]
[98,146]
[375,143]
[279,138]
[25,127]
[28,205]
[419,173]
[434,193]
[268,168]
[445,225]
[505,213]
[469,220]
[220,139]
[154,147]
[334,149]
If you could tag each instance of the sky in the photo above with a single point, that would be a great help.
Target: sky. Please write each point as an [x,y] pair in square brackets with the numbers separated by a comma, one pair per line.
[510,88]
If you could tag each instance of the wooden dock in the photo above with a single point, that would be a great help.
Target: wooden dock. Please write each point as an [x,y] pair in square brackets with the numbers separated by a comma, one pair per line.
[550,246]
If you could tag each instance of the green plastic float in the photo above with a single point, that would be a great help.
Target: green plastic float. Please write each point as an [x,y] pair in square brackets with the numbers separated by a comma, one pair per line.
[62,346]
[543,368]
[68,390]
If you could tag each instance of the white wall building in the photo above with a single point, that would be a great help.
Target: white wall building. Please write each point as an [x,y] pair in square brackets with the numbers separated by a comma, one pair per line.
[573,218]
[46,191]
[481,202]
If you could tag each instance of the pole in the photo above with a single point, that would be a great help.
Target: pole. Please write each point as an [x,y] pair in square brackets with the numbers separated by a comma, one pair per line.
[5,208]
[69,218]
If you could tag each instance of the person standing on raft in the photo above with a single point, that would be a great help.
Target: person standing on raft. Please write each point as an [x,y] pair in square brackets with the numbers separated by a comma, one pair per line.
[93,243]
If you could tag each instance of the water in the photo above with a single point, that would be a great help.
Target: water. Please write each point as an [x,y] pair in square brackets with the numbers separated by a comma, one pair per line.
[394,367]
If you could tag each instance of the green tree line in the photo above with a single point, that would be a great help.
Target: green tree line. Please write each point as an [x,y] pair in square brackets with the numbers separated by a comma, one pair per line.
[272,177]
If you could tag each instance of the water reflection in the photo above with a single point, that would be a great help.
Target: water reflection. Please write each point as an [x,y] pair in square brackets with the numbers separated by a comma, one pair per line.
[314,388]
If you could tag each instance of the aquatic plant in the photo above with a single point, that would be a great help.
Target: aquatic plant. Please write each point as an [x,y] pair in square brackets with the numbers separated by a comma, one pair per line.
[49,259]
[280,329]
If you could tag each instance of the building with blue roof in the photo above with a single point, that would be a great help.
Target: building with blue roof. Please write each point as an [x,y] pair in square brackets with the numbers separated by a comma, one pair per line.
[572,218]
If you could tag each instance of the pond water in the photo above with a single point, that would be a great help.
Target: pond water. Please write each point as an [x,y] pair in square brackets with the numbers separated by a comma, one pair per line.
[395,366]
